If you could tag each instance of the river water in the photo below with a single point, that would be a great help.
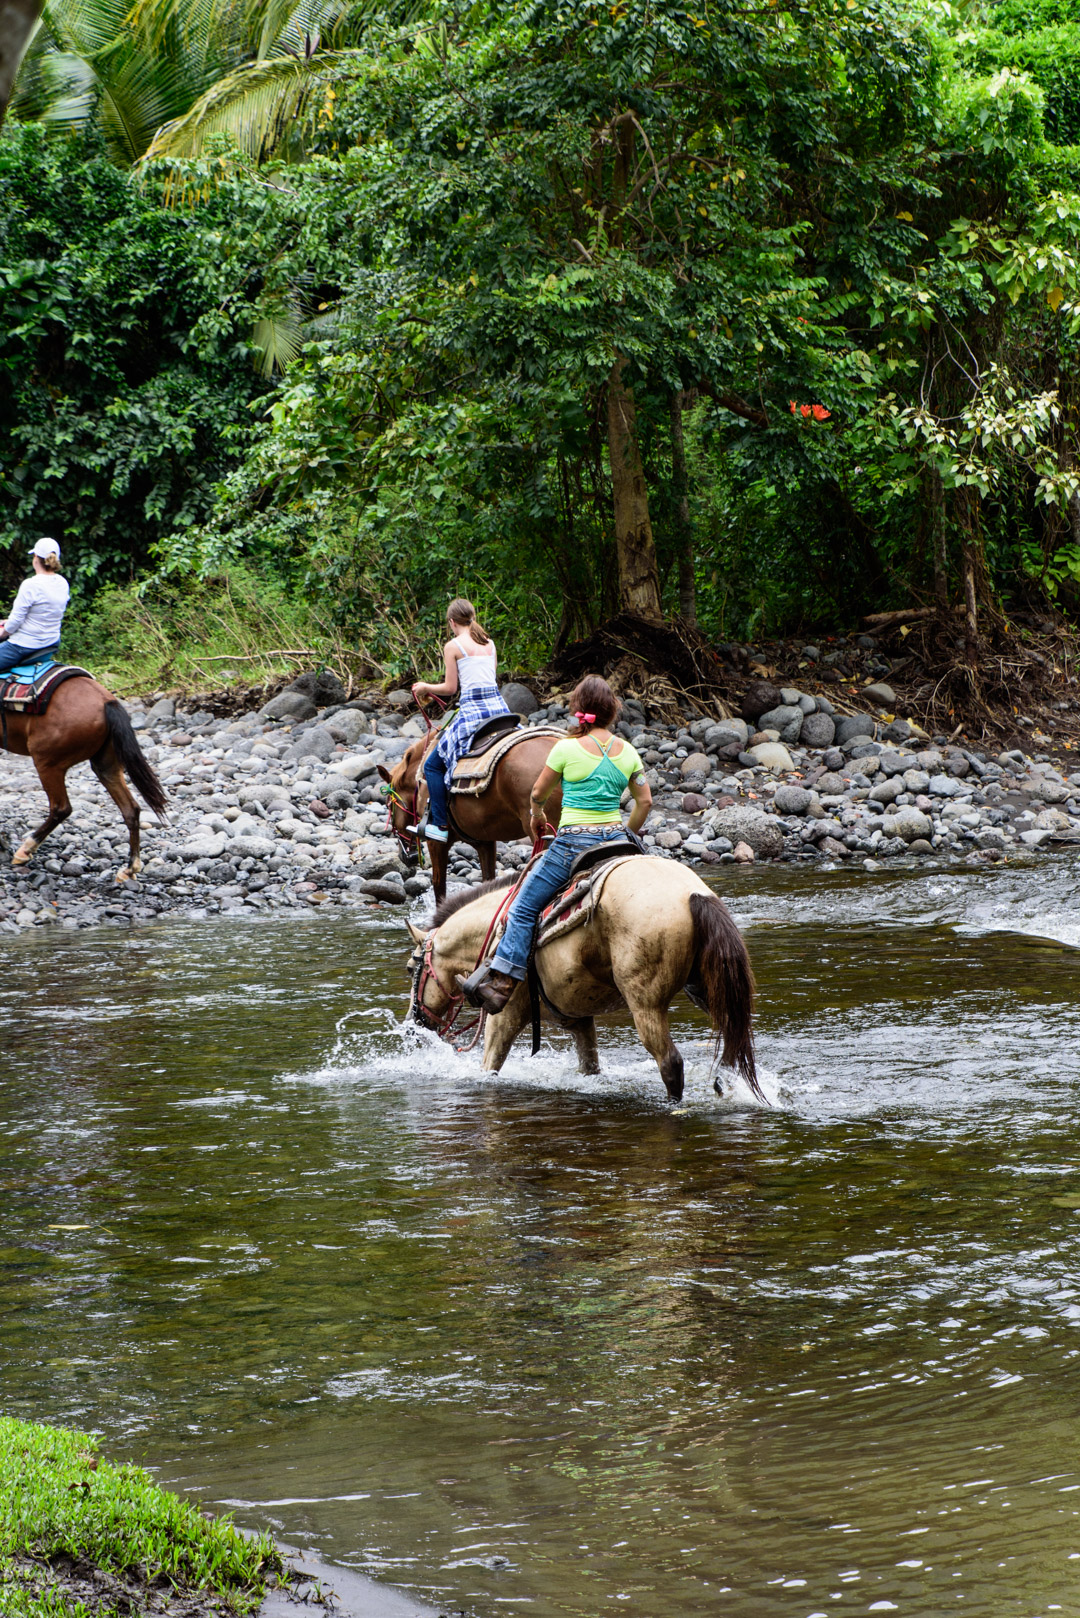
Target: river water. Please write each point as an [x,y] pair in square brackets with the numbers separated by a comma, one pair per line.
[538,1342]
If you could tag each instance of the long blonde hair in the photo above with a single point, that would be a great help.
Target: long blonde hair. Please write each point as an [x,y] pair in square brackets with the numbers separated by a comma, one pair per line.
[461,611]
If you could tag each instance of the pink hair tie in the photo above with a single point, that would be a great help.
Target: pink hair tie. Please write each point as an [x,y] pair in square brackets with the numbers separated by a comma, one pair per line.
[585,718]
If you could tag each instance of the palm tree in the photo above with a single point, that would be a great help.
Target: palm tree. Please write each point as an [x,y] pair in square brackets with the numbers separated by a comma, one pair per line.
[158,78]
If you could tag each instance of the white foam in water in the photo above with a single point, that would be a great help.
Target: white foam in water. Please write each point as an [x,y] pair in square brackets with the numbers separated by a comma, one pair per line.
[403,1054]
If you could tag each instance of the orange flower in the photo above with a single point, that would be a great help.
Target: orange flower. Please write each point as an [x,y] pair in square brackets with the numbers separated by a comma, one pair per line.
[820,413]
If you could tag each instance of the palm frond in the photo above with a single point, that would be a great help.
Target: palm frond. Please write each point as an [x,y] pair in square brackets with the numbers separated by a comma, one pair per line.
[277,341]
[256,106]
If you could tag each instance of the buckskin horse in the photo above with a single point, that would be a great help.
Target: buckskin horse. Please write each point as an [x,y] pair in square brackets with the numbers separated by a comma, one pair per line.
[84,721]
[500,814]
[655,929]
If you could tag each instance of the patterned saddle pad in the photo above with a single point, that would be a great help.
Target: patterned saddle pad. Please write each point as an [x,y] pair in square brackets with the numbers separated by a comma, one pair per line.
[472,775]
[28,688]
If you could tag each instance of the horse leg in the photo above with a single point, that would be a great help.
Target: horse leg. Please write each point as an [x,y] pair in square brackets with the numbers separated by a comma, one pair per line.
[486,852]
[53,778]
[654,1032]
[583,1033]
[439,853]
[500,1032]
[106,766]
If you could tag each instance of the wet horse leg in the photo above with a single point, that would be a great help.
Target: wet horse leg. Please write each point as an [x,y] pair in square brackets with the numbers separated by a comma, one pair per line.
[583,1033]
[106,766]
[439,854]
[654,1032]
[53,778]
[500,1032]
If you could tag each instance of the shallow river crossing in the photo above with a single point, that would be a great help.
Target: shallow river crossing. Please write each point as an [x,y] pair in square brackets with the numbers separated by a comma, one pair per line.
[539,1343]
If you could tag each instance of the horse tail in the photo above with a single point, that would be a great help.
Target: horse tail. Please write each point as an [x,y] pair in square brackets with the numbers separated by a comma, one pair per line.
[141,773]
[724,982]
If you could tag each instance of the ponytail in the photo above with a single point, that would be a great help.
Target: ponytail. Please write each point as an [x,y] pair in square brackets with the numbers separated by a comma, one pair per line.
[593,696]
[461,611]
[51,564]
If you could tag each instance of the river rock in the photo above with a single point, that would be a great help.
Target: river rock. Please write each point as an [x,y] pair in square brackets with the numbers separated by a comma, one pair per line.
[257,848]
[792,800]
[694,803]
[328,690]
[264,792]
[880,694]
[854,726]
[1047,789]
[205,847]
[743,854]
[746,825]
[726,733]
[163,708]
[990,837]
[834,849]
[829,785]
[289,705]
[349,725]
[786,720]
[943,786]
[314,743]
[761,695]
[671,838]
[916,781]
[696,764]
[818,730]
[893,763]
[773,756]
[888,790]
[908,823]
[518,698]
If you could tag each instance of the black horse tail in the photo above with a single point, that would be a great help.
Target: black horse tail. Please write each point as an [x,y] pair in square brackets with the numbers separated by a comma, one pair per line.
[141,773]
[723,984]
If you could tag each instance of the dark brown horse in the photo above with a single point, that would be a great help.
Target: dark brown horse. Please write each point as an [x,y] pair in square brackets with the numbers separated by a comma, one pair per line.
[498,815]
[84,721]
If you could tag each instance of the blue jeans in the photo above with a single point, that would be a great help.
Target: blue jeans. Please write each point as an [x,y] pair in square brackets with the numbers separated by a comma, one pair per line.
[438,793]
[11,655]
[547,878]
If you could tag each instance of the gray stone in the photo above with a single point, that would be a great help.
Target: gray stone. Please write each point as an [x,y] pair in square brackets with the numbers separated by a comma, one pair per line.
[696,764]
[818,730]
[381,888]
[916,781]
[853,725]
[881,695]
[694,803]
[908,823]
[314,743]
[943,786]
[727,733]
[207,847]
[519,699]
[990,837]
[328,690]
[256,848]
[807,704]
[289,705]
[790,697]
[792,800]
[671,838]
[1047,789]
[894,763]
[350,725]
[400,698]
[164,708]
[418,884]
[786,720]
[887,790]
[265,792]
[825,706]
[773,756]
[829,784]
[377,865]
[760,831]
[834,849]
[958,766]
[352,767]
[920,845]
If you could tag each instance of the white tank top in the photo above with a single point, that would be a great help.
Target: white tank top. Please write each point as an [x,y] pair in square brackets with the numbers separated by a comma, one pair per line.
[475,672]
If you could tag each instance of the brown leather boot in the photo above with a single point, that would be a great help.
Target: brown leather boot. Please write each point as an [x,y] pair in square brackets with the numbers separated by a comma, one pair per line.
[490,993]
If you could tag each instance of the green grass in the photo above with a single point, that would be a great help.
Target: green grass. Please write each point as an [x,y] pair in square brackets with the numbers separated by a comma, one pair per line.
[59,1499]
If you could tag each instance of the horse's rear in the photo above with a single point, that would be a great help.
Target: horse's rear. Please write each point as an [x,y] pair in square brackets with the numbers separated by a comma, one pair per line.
[85,721]
[657,930]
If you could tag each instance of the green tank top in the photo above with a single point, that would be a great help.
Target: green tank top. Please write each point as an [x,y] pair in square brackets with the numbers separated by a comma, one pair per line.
[592,787]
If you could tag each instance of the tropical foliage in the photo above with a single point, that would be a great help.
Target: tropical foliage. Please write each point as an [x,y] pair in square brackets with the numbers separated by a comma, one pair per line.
[768,316]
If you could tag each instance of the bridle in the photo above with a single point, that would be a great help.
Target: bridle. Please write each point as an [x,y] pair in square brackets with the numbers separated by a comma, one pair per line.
[410,842]
[443,1026]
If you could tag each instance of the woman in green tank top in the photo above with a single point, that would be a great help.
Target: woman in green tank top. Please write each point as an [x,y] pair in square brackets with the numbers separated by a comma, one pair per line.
[596,768]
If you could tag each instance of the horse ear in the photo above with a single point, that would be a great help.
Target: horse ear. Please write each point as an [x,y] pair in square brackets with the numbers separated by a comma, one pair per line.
[415,933]
[383,771]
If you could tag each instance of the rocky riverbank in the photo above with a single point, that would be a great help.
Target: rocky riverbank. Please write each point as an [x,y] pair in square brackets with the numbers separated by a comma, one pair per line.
[279,808]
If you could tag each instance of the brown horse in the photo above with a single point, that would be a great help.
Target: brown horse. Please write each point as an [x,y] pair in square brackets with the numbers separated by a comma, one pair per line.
[656,929]
[84,721]
[498,815]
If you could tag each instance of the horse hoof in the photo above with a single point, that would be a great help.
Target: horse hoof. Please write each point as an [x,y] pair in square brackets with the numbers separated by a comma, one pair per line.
[123,875]
[22,856]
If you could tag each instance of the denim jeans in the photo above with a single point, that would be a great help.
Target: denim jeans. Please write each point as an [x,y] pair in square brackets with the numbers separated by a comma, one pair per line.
[438,793]
[11,656]
[547,878]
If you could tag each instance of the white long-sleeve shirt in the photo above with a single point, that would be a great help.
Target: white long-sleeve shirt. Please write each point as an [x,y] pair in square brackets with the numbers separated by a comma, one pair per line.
[38,612]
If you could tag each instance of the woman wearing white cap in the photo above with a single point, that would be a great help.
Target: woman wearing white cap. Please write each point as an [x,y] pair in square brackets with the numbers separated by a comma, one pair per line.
[31,633]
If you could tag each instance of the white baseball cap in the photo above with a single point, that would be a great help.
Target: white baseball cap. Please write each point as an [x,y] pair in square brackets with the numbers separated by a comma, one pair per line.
[46,547]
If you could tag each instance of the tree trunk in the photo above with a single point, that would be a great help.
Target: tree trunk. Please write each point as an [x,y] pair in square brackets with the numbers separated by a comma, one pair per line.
[17,19]
[639,574]
[935,499]
[681,482]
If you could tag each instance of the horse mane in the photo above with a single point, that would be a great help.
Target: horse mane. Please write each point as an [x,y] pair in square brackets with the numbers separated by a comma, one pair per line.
[457,901]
